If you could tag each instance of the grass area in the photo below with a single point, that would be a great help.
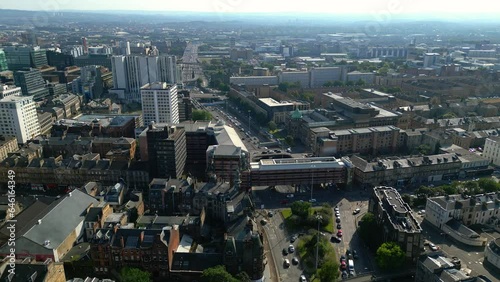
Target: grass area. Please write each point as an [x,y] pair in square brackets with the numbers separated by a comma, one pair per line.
[287,214]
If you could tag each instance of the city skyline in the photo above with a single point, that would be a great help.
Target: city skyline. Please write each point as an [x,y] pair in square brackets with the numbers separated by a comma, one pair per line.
[380,8]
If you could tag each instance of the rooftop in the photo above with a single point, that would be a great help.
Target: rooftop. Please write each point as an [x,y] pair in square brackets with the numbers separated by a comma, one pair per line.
[299,163]
[396,210]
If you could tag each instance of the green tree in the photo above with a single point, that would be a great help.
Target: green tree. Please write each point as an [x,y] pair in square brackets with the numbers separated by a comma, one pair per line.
[217,274]
[338,83]
[390,256]
[424,149]
[243,277]
[129,274]
[328,84]
[349,83]
[289,140]
[329,271]
[369,231]
[449,189]
[360,82]
[201,115]
[472,187]
[272,125]
[301,209]
[407,199]
[488,185]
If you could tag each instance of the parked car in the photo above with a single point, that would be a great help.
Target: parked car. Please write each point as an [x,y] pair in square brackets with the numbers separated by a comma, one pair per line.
[285,252]
[356,211]
[293,238]
[295,261]
[312,201]
[337,220]
[303,278]
[433,247]
[289,196]
[291,249]
[263,222]
[286,263]
[339,233]
[339,226]
[355,254]
[336,209]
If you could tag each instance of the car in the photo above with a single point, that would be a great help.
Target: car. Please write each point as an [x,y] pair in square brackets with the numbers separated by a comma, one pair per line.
[312,201]
[348,254]
[295,261]
[286,263]
[337,214]
[263,222]
[270,214]
[433,247]
[291,249]
[342,258]
[356,211]
[355,254]
[339,233]
[289,196]
[351,272]
[339,226]
[303,278]
[334,239]
[293,238]
[337,220]
[343,265]
[285,252]
[336,209]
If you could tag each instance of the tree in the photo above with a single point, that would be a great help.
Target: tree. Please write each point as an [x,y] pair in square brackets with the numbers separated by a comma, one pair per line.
[328,84]
[390,256]
[243,277]
[217,274]
[369,230]
[201,115]
[338,83]
[349,83]
[424,149]
[301,209]
[488,185]
[360,82]
[272,125]
[129,274]
[329,271]
[289,140]
[407,199]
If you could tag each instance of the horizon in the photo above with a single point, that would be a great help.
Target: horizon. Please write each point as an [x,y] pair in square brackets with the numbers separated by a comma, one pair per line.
[373,8]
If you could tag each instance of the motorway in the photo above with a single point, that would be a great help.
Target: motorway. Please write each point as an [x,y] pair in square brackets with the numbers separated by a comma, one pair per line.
[190,67]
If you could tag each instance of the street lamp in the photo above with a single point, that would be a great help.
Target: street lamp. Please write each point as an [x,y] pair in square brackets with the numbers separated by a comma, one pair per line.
[319,218]
[312,180]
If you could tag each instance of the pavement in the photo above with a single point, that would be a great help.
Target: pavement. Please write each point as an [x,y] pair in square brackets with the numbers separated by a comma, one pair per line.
[471,257]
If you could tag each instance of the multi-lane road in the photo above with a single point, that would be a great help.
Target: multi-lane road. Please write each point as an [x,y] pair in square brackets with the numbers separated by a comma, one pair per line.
[190,67]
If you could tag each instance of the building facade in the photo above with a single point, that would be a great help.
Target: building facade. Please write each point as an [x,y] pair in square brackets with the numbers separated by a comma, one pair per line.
[166,146]
[31,83]
[23,57]
[491,150]
[492,252]
[19,118]
[396,217]
[6,91]
[130,73]
[160,103]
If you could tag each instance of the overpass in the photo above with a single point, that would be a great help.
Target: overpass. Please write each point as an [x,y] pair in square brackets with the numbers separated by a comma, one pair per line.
[294,171]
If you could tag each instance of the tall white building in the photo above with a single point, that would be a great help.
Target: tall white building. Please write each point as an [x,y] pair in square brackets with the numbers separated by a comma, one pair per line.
[6,91]
[491,149]
[18,118]
[130,73]
[431,59]
[160,103]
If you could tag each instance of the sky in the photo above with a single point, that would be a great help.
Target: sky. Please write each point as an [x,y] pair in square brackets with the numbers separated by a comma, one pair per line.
[375,8]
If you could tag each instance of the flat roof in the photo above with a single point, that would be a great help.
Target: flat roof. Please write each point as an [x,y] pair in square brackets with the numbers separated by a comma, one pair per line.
[298,163]
[273,103]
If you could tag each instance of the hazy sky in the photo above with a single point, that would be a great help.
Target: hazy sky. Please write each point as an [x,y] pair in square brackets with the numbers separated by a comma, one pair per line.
[373,7]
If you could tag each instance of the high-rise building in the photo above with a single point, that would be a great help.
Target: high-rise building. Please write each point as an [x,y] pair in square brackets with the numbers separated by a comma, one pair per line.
[31,83]
[85,46]
[160,103]
[166,146]
[89,83]
[123,48]
[130,73]
[20,119]
[431,59]
[6,91]
[22,57]
[3,61]
[60,60]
